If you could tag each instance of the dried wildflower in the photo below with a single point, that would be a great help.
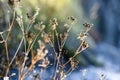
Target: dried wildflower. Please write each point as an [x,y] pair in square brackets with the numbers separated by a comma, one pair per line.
[40,26]
[40,54]
[62,36]
[29,16]
[87,25]
[66,27]
[30,36]
[45,63]
[45,37]
[54,23]
[41,44]
[82,36]
[84,45]
[53,27]
[73,63]
[72,19]
[65,35]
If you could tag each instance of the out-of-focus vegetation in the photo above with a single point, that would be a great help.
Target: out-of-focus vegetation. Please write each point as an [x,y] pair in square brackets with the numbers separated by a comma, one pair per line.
[53,8]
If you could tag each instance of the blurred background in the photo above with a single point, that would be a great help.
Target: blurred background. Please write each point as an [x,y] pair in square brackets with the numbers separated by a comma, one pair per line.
[102,58]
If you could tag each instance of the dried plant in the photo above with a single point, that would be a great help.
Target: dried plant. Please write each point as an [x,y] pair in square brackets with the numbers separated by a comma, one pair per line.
[51,38]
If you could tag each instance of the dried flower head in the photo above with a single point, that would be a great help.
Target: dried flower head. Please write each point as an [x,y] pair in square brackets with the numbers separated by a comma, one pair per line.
[82,36]
[40,26]
[72,19]
[41,44]
[84,45]
[54,23]
[63,36]
[29,16]
[73,63]
[46,37]
[87,25]
[45,63]
[40,54]
[66,27]
[30,36]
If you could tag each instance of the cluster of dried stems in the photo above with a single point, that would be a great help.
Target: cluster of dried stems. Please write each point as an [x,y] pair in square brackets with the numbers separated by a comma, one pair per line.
[50,38]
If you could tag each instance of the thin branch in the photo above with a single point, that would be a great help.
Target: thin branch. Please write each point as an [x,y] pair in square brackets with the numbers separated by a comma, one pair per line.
[16,51]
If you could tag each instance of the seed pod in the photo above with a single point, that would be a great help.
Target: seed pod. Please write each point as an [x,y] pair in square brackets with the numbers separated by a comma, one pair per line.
[54,23]
[84,45]
[72,19]
[87,25]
